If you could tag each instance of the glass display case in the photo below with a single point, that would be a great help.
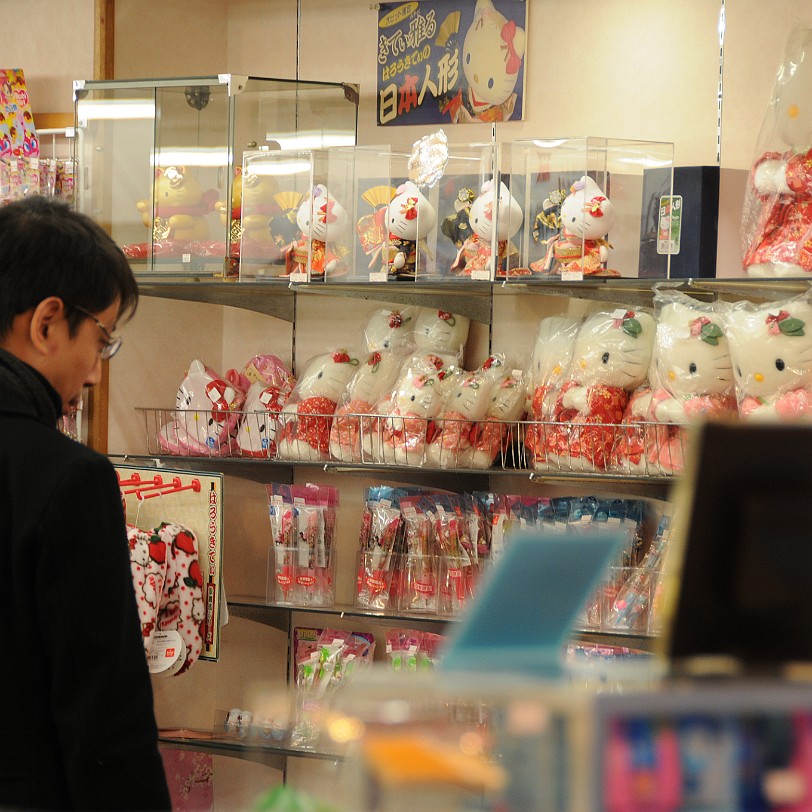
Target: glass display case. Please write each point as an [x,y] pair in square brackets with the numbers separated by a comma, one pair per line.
[589,207]
[160,160]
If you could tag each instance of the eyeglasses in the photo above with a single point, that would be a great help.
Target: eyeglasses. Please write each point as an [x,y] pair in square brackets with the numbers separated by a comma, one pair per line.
[113,340]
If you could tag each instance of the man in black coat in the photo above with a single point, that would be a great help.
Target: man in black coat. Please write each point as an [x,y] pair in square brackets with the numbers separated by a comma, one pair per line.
[78,729]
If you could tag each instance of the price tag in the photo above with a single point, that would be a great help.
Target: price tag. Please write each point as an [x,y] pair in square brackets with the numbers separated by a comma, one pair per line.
[167,654]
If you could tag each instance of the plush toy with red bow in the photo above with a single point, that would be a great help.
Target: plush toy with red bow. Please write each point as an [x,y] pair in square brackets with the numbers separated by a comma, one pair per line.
[587,216]
[322,221]
[181,206]
[492,55]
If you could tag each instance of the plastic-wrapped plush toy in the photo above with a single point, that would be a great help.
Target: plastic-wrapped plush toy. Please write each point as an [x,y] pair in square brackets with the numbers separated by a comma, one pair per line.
[464,404]
[492,54]
[206,414]
[692,376]
[181,206]
[587,216]
[410,218]
[475,257]
[777,214]
[552,354]
[610,360]
[390,329]
[441,333]
[771,348]
[322,221]
[305,420]
[270,384]
[351,429]
[409,422]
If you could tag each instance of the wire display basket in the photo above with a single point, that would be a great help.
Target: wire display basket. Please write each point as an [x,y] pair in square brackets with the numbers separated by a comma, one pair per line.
[637,449]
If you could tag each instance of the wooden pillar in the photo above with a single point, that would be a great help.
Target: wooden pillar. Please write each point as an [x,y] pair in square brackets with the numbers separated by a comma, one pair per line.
[103,68]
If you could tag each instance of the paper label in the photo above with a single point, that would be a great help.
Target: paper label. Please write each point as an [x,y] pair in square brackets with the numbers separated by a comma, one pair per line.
[167,654]
[377,276]
[669,226]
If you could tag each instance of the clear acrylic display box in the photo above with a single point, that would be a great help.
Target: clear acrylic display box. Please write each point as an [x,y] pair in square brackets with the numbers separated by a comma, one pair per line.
[159,160]
[591,207]
[402,206]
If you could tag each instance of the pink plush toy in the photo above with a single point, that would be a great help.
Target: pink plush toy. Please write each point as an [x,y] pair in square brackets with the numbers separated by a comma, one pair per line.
[206,413]
[306,418]
[374,378]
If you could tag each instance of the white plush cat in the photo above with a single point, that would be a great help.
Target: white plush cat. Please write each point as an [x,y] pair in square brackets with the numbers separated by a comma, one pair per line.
[490,213]
[492,436]
[410,218]
[320,250]
[771,348]
[610,360]
[492,54]
[389,329]
[442,333]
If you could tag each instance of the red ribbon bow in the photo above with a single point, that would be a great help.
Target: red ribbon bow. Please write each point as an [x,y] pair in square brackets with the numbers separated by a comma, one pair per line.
[513,61]
[326,214]
[409,208]
[773,319]
[593,207]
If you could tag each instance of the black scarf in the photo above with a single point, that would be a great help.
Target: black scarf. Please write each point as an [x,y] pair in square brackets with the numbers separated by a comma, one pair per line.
[27,390]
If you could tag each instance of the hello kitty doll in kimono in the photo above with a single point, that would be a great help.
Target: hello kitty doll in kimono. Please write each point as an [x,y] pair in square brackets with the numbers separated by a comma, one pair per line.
[323,222]
[771,349]
[492,55]
[475,257]
[305,420]
[410,218]
[492,436]
[552,353]
[777,213]
[390,329]
[587,216]
[464,405]
[206,414]
[692,376]
[442,333]
[610,360]
[351,430]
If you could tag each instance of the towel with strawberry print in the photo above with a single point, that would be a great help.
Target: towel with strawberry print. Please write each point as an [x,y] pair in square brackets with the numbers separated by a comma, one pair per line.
[148,554]
[182,607]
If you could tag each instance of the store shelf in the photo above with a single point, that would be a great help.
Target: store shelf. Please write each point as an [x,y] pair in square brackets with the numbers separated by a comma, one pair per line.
[271,754]
[279,617]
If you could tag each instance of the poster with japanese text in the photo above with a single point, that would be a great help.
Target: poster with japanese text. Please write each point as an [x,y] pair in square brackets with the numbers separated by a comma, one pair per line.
[174,530]
[17,134]
[451,62]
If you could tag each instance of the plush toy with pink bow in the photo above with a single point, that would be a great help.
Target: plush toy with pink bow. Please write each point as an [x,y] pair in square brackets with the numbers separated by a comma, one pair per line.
[207,411]
[493,212]
[410,218]
[306,418]
[587,216]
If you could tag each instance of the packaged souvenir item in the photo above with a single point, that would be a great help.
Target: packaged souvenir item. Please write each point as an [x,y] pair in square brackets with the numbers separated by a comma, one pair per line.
[410,218]
[390,329]
[771,349]
[610,360]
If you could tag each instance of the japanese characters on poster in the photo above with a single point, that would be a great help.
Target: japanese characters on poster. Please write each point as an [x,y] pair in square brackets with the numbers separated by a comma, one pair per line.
[447,61]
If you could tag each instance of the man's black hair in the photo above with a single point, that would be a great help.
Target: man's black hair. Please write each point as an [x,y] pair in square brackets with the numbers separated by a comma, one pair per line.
[48,249]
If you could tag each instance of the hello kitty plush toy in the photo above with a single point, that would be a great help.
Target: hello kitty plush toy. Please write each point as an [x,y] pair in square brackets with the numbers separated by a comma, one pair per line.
[409,425]
[492,436]
[441,333]
[464,405]
[351,430]
[322,221]
[492,55]
[305,420]
[693,375]
[777,213]
[504,214]
[610,360]
[587,215]
[552,354]
[771,349]
[390,329]
[206,414]
[410,218]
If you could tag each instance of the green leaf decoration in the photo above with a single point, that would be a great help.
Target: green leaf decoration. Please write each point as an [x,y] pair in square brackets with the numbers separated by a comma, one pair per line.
[189,581]
[376,366]
[791,327]
[632,327]
[711,333]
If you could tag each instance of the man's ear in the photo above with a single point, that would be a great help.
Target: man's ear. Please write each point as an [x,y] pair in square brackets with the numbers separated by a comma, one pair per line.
[46,314]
